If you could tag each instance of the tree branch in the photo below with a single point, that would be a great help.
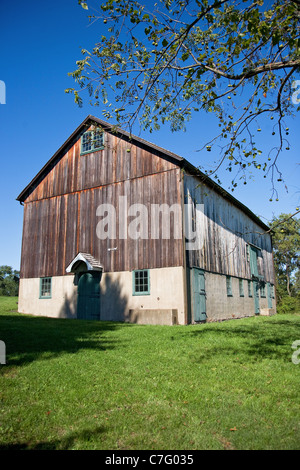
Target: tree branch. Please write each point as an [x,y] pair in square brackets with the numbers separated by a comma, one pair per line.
[257,71]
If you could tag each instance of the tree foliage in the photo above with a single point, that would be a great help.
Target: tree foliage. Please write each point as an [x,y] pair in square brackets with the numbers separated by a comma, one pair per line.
[286,249]
[9,281]
[161,62]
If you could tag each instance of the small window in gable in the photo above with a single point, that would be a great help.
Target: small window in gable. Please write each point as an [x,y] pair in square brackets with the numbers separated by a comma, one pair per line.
[91,141]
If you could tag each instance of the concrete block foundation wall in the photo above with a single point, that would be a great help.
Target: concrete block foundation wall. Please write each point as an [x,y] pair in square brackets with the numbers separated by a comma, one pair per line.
[220,306]
[165,304]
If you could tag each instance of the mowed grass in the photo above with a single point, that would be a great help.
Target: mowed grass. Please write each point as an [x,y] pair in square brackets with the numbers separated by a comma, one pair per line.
[71,384]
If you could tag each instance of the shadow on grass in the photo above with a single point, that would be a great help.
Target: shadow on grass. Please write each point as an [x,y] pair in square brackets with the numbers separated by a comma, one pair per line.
[30,338]
[256,339]
[66,443]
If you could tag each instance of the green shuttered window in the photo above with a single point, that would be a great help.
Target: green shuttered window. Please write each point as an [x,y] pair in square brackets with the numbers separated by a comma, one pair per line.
[229,286]
[141,282]
[45,287]
[263,289]
[241,287]
[272,291]
[249,289]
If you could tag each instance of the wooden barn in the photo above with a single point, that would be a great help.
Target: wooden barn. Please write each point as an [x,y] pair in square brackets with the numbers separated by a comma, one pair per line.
[116,228]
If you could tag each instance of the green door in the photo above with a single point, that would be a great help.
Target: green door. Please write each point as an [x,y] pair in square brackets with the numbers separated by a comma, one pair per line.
[254,273]
[253,261]
[256,297]
[88,303]
[198,295]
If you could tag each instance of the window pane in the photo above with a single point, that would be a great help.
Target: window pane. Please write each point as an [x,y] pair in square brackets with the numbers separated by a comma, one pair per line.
[86,142]
[263,289]
[45,287]
[228,286]
[272,291]
[241,286]
[141,282]
[249,289]
[98,139]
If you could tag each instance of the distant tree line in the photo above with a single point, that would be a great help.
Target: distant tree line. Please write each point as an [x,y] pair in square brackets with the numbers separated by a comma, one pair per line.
[286,249]
[9,281]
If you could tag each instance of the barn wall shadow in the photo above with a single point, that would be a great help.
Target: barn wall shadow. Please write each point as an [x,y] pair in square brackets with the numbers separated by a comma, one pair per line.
[29,337]
[65,443]
[113,303]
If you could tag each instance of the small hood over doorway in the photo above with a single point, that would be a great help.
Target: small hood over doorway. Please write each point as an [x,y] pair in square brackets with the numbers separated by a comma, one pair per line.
[84,262]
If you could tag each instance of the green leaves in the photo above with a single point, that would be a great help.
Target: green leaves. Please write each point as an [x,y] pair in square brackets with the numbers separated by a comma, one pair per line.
[234,59]
[83,4]
[286,244]
[9,281]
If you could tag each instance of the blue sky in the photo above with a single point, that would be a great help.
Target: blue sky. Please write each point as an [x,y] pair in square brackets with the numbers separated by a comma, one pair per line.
[40,42]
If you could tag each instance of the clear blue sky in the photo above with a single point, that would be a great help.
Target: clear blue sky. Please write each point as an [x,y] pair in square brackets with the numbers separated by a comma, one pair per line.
[40,43]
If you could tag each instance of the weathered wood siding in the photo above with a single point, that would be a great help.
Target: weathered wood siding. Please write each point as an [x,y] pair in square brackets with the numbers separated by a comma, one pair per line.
[60,213]
[118,161]
[225,232]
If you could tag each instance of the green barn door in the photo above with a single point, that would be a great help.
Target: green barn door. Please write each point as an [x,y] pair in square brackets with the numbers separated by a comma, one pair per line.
[88,305]
[256,297]
[254,273]
[198,295]
[253,261]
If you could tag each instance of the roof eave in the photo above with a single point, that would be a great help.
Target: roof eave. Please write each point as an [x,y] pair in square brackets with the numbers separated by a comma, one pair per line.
[183,163]
[210,183]
[112,128]
[22,195]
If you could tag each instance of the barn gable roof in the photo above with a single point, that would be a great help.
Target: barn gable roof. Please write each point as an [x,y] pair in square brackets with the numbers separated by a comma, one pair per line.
[163,153]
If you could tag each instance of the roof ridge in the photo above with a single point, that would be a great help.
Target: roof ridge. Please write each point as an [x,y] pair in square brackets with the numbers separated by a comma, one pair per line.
[182,162]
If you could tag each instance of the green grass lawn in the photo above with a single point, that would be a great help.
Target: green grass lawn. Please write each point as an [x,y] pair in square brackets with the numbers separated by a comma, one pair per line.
[71,384]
